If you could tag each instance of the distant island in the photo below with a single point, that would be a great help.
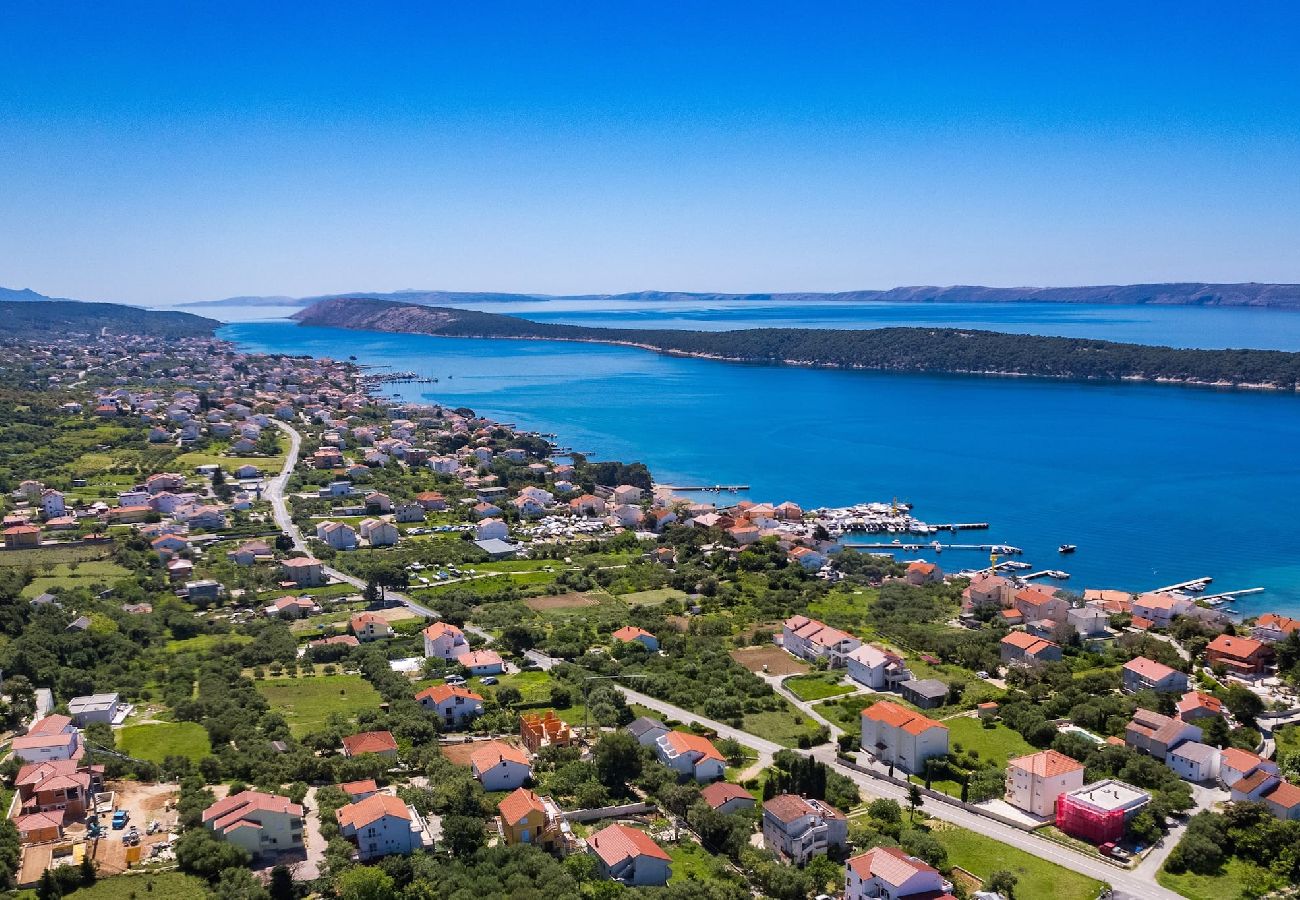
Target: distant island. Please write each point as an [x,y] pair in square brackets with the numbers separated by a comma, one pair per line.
[26,320]
[1263,296]
[936,350]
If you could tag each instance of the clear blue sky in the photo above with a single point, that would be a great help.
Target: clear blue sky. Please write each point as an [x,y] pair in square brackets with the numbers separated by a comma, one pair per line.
[150,152]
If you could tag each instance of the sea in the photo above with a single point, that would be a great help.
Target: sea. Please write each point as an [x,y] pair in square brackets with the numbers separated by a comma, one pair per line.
[1155,485]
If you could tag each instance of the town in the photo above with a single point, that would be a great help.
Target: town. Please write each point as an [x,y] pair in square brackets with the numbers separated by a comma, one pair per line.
[268,633]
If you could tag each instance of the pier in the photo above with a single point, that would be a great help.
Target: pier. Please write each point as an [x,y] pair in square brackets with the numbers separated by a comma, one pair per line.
[1046,573]
[713,488]
[1003,549]
[1196,584]
[1229,596]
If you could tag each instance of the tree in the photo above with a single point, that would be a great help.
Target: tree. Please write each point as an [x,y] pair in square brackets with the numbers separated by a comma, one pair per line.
[199,853]
[88,873]
[281,886]
[239,884]
[1003,882]
[463,835]
[1243,703]
[884,810]
[49,887]
[617,760]
[365,883]
[914,799]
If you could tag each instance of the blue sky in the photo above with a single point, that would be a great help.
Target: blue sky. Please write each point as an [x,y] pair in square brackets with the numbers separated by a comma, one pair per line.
[153,152]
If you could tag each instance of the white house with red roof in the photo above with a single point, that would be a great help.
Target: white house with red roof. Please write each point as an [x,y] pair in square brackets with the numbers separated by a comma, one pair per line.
[1236,764]
[876,667]
[370,627]
[381,825]
[901,737]
[445,641]
[798,828]
[381,743]
[691,754]
[1035,781]
[919,572]
[725,797]
[812,640]
[52,738]
[452,705]
[500,767]
[629,633]
[629,856]
[482,662]
[1159,609]
[1143,674]
[888,873]
[263,824]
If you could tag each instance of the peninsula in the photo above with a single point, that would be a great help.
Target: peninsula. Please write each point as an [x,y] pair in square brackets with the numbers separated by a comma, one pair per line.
[936,350]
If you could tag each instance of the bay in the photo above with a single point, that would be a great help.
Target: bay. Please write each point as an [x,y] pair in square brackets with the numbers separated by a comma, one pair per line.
[1155,484]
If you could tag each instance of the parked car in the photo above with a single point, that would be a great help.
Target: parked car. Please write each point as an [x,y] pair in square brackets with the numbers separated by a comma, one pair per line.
[457,680]
[120,818]
[490,679]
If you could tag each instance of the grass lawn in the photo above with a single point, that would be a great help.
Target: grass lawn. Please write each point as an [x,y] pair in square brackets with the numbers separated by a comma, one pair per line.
[1288,739]
[996,744]
[306,703]
[846,712]
[1224,886]
[845,609]
[172,885]
[691,863]
[780,725]
[156,742]
[652,598]
[1037,877]
[94,571]
[202,642]
[818,686]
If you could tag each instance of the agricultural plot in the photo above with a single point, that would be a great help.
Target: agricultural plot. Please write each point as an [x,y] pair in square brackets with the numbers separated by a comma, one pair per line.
[156,742]
[307,703]
[777,661]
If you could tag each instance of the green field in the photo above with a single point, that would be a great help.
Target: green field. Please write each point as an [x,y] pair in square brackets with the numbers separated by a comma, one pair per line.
[169,885]
[652,598]
[982,856]
[818,686]
[692,863]
[1288,739]
[845,609]
[93,571]
[1227,885]
[780,725]
[202,642]
[156,742]
[996,744]
[307,703]
[846,712]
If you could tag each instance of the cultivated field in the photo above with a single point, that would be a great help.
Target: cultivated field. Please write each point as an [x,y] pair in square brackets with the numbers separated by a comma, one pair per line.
[652,598]
[561,601]
[778,662]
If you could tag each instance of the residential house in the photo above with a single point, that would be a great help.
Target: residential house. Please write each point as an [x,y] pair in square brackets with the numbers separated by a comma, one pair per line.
[527,818]
[690,754]
[1143,674]
[1154,734]
[63,785]
[1194,761]
[409,512]
[379,533]
[380,743]
[485,510]
[921,572]
[1035,781]
[796,828]
[1037,602]
[629,633]
[1242,656]
[647,731]
[630,516]
[369,627]
[444,641]
[339,535]
[587,505]
[500,767]
[811,640]
[380,825]
[22,537]
[629,856]
[107,709]
[1272,628]
[927,693]
[901,737]
[377,501]
[488,529]
[293,608]
[1279,795]
[51,738]
[205,590]
[482,662]
[359,790]
[1159,609]
[626,493]
[250,552]
[1088,621]
[985,590]
[1100,812]
[888,873]
[304,571]
[725,797]
[1021,648]
[1195,706]
[452,705]
[52,504]
[1235,764]
[807,557]
[262,824]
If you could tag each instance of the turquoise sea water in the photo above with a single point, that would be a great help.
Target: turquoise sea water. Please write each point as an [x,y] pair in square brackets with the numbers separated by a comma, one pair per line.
[1156,485]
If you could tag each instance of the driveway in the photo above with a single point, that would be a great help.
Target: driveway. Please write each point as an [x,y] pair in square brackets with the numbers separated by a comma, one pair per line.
[313,841]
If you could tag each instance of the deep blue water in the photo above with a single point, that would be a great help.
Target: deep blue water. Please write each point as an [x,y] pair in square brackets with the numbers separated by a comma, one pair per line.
[1157,485]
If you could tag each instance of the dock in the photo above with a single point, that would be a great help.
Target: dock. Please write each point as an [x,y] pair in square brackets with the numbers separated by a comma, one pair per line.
[1046,573]
[1196,584]
[1003,549]
[1229,596]
[714,488]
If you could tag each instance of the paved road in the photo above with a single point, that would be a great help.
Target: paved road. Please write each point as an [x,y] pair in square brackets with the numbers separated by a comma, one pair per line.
[313,840]
[1126,884]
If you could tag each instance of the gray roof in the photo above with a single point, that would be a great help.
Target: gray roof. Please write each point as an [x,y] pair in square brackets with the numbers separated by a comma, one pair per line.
[1195,751]
[496,546]
[927,687]
[92,702]
[645,724]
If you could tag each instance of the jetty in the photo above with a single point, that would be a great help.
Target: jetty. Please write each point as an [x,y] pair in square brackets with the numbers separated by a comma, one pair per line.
[1046,573]
[1229,596]
[712,488]
[1003,549]
[1196,584]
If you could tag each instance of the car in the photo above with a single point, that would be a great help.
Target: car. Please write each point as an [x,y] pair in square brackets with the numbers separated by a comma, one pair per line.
[490,679]
[120,818]
[981,674]
[454,679]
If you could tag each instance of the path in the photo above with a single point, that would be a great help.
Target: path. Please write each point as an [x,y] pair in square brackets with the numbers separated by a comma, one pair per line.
[313,840]
[1136,884]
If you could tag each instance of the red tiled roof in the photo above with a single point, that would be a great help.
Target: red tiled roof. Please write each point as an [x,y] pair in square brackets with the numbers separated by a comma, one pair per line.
[440,692]
[1239,760]
[684,742]
[890,713]
[721,792]
[630,633]
[493,752]
[1149,668]
[515,806]
[1046,764]
[619,842]
[371,809]
[890,864]
[1242,648]
[369,742]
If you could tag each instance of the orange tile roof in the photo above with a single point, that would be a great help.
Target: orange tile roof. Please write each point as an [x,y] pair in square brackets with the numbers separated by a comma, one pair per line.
[493,752]
[1026,642]
[890,864]
[372,809]
[619,842]
[369,742]
[1242,648]
[721,792]
[1284,624]
[1285,795]
[440,692]
[1046,764]
[684,742]
[1239,760]
[630,633]
[359,787]
[890,713]
[438,629]
[1149,668]
[479,658]
[515,806]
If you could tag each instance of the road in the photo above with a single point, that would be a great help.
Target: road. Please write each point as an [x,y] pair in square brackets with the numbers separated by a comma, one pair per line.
[1137,885]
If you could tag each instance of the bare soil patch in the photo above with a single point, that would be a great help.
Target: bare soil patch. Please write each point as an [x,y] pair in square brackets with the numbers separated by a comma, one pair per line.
[778,662]
[561,601]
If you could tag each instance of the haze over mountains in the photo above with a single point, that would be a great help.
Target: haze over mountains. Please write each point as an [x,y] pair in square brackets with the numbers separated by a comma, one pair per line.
[1250,294]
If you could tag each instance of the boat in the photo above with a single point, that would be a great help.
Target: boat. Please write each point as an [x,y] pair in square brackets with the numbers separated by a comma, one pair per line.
[1066,548]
